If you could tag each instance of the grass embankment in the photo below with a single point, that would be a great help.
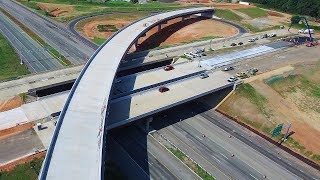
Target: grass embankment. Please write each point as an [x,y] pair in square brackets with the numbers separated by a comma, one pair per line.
[27,171]
[10,67]
[192,165]
[254,12]
[64,61]
[293,83]
[227,15]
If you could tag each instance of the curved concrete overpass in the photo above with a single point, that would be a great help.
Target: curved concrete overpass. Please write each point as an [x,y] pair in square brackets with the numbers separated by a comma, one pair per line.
[76,149]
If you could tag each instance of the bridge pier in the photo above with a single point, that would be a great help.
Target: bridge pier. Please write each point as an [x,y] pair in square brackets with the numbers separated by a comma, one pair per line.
[149,120]
[159,27]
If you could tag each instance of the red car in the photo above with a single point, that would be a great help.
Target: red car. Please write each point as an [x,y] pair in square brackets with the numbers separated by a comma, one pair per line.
[168,68]
[163,89]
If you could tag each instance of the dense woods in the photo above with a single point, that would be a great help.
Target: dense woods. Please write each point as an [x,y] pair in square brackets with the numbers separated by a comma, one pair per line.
[301,7]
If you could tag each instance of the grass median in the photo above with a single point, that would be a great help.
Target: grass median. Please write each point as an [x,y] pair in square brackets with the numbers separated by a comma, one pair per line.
[10,67]
[64,61]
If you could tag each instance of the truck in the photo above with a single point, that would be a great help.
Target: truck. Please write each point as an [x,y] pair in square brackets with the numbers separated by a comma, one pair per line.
[305,31]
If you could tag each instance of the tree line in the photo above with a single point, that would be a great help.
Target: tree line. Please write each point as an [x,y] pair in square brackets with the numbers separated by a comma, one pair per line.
[302,7]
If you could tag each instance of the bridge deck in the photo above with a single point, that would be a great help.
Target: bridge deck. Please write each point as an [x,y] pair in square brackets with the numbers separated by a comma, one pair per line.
[76,148]
[132,107]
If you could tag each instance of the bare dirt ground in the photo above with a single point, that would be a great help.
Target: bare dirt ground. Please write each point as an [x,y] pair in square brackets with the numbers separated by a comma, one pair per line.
[16,129]
[11,104]
[174,32]
[215,4]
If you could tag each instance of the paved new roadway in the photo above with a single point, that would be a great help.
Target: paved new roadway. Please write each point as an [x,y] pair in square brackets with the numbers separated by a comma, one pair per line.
[252,159]
[35,57]
[54,33]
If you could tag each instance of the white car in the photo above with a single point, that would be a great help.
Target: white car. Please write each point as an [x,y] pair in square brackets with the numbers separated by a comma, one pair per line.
[252,40]
[194,54]
[232,79]
[189,55]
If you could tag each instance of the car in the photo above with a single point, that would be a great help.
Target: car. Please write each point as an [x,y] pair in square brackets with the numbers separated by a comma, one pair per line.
[233,44]
[253,71]
[252,40]
[168,68]
[256,38]
[272,35]
[242,75]
[194,54]
[204,75]
[199,50]
[240,43]
[264,36]
[163,89]
[189,55]
[232,79]
[228,68]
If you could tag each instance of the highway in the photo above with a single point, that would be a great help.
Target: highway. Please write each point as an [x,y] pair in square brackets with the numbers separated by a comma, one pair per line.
[253,159]
[35,57]
[150,155]
[54,33]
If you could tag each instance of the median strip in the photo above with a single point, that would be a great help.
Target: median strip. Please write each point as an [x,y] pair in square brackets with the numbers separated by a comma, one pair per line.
[63,60]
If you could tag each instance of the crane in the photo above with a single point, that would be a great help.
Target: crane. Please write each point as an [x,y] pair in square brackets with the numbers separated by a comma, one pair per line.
[299,18]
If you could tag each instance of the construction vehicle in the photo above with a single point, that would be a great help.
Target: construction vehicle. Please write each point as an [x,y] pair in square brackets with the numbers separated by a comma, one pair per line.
[242,75]
[311,41]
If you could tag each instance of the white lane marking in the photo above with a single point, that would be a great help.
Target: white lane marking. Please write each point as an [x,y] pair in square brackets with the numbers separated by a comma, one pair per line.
[216,159]
[253,176]
[223,155]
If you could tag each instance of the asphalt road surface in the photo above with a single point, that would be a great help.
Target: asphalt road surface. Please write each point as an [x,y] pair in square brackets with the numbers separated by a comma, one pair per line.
[35,57]
[52,32]
[151,156]
[234,157]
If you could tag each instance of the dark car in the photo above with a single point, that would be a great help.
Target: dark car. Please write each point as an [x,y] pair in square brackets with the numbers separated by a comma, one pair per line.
[240,43]
[163,89]
[168,68]
[228,68]
[204,75]
[233,44]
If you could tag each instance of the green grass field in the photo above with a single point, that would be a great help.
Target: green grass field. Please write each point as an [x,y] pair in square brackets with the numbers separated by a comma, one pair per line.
[254,12]
[98,41]
[27,171]
[10,66]
[228,15]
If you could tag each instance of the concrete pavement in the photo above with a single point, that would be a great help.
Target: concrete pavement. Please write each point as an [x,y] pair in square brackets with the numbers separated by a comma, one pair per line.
[19,145]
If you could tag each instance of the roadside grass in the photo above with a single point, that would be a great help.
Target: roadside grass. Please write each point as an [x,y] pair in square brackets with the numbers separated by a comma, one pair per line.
[227,15]
[107,28]
[27,171]
[85,8]
[254,12]
[255,29]
[303,26]
[98,41]
[291,83]
[64,61]
[192,165]
[254,97]
[228,48]
[10,67]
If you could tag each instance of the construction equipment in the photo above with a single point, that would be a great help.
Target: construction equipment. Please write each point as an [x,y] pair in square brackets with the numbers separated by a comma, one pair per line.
[310,43]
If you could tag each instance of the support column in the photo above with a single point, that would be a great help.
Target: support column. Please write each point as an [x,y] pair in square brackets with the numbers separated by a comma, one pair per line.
[149,120]
[159,27]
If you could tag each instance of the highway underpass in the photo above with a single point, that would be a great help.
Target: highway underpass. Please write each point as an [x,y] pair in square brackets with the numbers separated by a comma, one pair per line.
[79,137]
